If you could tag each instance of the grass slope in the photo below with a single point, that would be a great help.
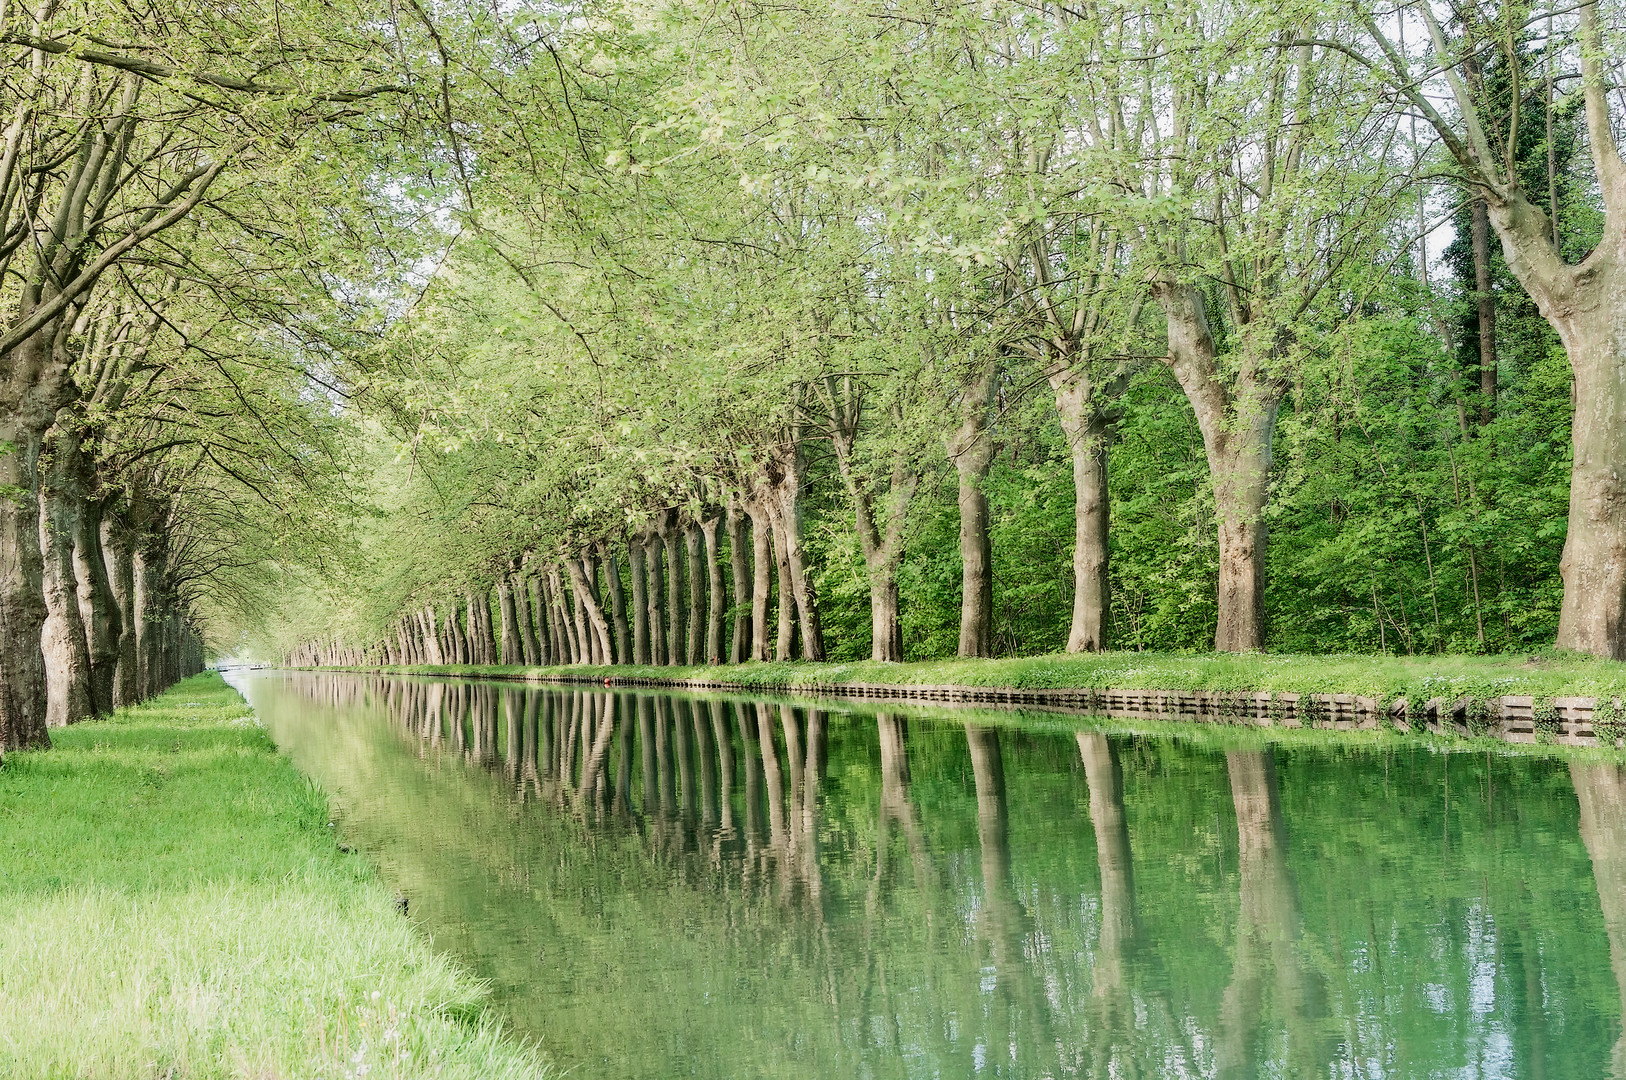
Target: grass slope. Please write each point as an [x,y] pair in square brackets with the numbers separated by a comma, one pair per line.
[173,904]
[1418,678]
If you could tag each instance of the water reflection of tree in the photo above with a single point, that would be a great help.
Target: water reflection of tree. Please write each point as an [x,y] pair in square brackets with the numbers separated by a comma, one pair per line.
[1112,997]
[1020,1011]
[1600,788]
[1267,956]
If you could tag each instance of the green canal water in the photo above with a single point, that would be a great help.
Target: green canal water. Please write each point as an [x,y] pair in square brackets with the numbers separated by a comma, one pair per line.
[666,886]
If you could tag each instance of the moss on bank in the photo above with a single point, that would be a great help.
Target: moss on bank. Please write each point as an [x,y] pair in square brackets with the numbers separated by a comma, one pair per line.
[173,903]
[1541,675]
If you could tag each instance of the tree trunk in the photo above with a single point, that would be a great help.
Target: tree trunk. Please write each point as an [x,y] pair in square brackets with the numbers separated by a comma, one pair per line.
[1238,424]
[971,449]
[510,646]
[787,507]
[98,607]
[564,625]
[716,601]
[578,619]
[62,638]
[618,602]
[1088,434]
[739,648]
[640,600]
[527,629]
[462,651]
[482,644]
[22,599]
[785,626]
[762,564]
[149,605]
[1592,618]
[604,644]
[694,540]
[657,599]
[671,537]
[36,376]
[882,550]
[600,627]
[547,646]
[121,579]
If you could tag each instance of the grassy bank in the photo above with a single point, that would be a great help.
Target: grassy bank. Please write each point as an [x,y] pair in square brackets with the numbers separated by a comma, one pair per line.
[173,904]
[1417,678]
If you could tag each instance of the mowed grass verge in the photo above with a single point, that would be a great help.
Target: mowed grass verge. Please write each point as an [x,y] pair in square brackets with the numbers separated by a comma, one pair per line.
[1542,675]
[173,903]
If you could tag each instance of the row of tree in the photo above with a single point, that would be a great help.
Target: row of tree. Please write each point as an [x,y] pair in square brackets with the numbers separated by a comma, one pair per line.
[672,608]
[865,278]
[168,176]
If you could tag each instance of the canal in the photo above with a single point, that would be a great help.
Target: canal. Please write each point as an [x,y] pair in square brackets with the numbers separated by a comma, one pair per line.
[664,885]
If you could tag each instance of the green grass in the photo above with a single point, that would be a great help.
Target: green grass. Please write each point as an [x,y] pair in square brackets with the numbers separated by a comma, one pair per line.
[173,903]
[1542,675]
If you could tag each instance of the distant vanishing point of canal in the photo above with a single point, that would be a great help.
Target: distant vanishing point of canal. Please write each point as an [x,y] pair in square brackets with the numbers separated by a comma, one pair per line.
[660,885]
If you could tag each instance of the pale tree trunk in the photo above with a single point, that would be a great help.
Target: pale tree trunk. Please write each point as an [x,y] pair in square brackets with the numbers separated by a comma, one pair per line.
[120,560]
[716,602]
[672,538]
[564,629]
[785,636]
[640,600]
[1088,434]
[587,641]
[510,647]
[695,542]
[580,648]
[22,599]
[654,563]
[149,605]
[483,644]
[62,638]
[604,643]
[970,448]
[98,606]
[762,566]
[598,626]
[408,629]
[547,645]
[882,550]
[527,628]
[786,503]
[462,653]
[488,629]
[1237,424]
[430,635]
[618,602]
[1592,618]
[739,648]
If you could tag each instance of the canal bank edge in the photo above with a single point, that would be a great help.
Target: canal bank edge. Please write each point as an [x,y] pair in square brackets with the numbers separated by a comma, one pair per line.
[174,901]
[1555,699]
